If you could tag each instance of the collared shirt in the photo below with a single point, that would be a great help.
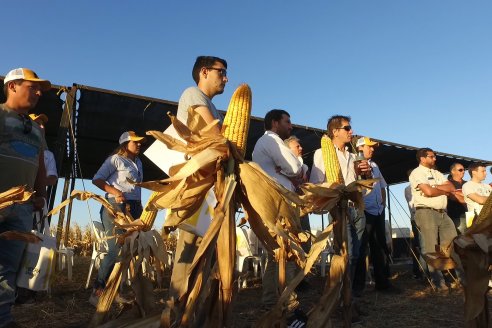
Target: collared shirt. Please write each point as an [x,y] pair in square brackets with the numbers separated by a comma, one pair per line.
[50,164]
[479,188]
[373,200]
[346,160]
[409,198]
[431,177]
[115,171]
[271,153]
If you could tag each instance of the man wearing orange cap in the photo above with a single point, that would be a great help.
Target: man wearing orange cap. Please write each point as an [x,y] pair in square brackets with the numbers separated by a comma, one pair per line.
[21,163]
[374,233]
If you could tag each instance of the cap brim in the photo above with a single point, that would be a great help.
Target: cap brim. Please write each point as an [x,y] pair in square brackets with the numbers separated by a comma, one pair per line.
[45,84]
[142,139]
[41,117]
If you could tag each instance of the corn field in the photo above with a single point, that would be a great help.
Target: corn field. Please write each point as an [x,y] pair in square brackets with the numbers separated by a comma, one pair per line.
[81,239]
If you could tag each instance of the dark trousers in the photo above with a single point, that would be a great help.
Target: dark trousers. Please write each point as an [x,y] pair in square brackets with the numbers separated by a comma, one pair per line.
[375,237]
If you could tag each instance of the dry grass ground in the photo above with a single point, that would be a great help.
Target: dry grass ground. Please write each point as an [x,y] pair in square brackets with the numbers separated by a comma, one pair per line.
[416,306]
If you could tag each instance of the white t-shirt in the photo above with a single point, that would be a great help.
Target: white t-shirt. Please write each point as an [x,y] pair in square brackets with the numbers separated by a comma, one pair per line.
[481,189]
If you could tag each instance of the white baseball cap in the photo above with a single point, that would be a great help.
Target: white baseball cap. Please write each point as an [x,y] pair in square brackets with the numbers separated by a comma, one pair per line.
[130,136]
[366,141]
[28,75]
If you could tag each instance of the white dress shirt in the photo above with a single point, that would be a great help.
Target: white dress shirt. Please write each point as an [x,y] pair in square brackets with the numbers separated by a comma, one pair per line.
[271,153]
[345,159]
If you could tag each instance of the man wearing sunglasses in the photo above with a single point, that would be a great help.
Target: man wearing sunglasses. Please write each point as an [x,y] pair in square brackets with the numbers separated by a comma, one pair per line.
[456,208]
[210,76]
[21,163]
[340,132]
[430,191]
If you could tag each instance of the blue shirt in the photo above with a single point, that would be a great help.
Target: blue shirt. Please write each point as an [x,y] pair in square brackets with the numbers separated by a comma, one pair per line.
[116,169]
[373,201]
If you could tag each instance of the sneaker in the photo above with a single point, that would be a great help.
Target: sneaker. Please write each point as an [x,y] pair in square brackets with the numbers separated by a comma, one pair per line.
[297,320]
[94,298]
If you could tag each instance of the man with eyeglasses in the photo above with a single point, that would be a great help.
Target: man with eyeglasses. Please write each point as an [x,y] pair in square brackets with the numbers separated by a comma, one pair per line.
[21,163]
[340,132]
[210,76]
[475,191]
[430,191]
[456,208]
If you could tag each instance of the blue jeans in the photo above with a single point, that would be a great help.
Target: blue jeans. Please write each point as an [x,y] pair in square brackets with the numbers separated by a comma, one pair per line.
[109,259]
[355,230]
[14,218]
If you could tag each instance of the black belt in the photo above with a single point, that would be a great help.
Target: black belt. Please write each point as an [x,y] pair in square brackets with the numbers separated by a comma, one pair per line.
[429,208]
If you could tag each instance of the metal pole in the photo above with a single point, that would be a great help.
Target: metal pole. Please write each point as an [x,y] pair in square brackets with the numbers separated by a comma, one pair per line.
[61,216]
[388,199]
[69,215]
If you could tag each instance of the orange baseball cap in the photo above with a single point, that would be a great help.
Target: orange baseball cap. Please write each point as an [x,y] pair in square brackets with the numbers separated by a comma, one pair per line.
[28,75]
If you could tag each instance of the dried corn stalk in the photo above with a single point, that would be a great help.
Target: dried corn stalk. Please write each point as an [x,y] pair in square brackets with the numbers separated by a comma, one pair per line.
[15,195]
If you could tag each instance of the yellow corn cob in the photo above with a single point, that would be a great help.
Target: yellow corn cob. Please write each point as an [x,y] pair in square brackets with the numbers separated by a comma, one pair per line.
[236,121]
[330,159]
[148,216]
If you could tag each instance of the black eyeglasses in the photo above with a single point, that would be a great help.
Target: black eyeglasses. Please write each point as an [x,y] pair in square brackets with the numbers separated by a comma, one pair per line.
[222,71]
[346,128]
[26,122]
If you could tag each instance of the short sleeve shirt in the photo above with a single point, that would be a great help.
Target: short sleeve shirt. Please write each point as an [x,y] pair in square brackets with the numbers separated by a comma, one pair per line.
[481,189]
[424,175]
[115,171]
[193,96]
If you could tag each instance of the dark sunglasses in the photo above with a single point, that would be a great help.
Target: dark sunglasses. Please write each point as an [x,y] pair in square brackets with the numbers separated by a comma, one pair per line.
[222,71]
[26,122]
[346,128]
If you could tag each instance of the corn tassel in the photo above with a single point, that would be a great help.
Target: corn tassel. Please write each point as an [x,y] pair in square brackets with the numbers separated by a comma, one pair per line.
[236,121]
[333,171]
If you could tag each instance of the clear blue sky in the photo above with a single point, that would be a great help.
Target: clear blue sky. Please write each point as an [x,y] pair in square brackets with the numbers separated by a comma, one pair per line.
[412,72]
